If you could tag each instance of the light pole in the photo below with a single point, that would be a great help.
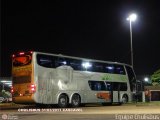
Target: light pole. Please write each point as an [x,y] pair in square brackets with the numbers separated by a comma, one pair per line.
[131,18]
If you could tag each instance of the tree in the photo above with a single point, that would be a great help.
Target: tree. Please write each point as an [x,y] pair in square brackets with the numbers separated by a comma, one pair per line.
[156,78]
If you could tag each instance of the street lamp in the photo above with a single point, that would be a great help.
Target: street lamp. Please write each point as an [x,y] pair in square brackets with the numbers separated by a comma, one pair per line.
[146,79]
[131,18]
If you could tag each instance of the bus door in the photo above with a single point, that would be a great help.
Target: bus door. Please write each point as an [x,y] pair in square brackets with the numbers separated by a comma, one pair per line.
[113,87]
[116,91]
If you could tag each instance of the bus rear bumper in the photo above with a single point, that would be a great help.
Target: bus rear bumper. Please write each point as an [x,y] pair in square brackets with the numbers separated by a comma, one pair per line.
[23,99]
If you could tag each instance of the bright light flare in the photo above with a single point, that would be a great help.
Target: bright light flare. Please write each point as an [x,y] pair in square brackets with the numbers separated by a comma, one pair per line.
[146,79]
[110,68]
[132,17]
[86,65]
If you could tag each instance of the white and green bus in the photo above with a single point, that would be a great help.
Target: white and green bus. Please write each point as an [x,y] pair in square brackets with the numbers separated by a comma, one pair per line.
[44,78]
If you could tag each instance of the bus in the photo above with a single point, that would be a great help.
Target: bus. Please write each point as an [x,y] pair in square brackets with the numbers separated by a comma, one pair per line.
[46,79]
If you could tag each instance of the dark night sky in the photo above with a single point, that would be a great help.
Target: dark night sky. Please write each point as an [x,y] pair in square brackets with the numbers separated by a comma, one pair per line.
[95,29]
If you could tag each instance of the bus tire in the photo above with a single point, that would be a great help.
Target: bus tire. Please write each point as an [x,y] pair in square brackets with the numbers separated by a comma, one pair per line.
[63,101]
[76,100]
[124,99]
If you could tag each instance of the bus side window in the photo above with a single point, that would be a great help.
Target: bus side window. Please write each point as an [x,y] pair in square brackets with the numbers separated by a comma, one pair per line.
[116,86]
[123,86]
[46,60]
[91,85]
[76,64]
[108,86]
[97,67]
[110,68]
[97,85]
[119,69]
[61,61]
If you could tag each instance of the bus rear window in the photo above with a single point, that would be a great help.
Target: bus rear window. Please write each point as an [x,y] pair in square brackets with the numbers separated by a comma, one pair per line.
[22,60]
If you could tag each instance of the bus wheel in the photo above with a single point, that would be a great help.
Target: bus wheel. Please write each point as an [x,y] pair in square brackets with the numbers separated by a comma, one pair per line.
[124,99]
[76,100]
[63,101]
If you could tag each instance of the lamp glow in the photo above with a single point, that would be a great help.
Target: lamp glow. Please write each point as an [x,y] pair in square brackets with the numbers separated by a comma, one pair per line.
[132,17]
[146,79]
[86,65]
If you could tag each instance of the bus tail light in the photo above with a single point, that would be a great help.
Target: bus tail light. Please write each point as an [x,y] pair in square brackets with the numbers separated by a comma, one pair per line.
[33,88]
[31,52]
[13,55]
[12,91]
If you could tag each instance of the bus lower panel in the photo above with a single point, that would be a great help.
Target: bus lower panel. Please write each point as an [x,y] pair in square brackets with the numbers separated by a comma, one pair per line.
[23,99]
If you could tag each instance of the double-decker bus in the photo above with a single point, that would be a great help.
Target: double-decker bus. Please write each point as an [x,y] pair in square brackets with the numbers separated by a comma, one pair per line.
[44,78]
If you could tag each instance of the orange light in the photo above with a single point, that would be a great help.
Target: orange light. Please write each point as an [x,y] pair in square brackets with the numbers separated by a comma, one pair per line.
[21,94]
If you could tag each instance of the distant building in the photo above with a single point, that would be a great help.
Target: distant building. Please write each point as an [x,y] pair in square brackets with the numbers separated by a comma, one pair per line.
[155,92]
